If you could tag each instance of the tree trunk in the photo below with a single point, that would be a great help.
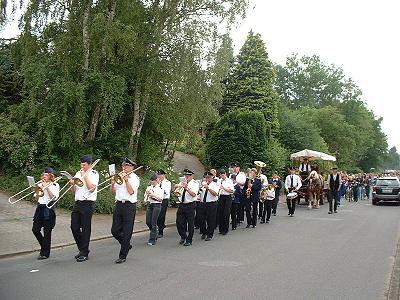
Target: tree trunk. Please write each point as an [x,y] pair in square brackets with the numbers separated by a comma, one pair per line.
[96,111]
[85,34]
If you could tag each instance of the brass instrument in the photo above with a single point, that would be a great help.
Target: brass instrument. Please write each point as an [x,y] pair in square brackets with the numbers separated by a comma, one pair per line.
[149,190]
[259,165]
[248,191]
[36,189]
[76,181]
[263,192]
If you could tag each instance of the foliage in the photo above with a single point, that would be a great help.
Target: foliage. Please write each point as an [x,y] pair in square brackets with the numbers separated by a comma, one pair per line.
[392,160]
[238,136]
[249,86]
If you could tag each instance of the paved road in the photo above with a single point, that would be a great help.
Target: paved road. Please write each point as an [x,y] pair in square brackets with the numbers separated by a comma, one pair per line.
[314,255]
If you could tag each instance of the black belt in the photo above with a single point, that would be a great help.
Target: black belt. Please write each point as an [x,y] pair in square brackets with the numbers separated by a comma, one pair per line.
[124,201]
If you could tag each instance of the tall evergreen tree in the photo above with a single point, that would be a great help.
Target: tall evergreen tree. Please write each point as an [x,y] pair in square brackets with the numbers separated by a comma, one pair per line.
[250,86]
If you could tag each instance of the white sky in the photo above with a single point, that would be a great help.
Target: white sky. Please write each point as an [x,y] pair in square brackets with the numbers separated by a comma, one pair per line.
[360,36]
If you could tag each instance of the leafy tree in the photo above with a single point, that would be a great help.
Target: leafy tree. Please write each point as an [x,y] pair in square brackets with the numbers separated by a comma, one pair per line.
[238,136]
[392,160]
[307,81]
[250,86]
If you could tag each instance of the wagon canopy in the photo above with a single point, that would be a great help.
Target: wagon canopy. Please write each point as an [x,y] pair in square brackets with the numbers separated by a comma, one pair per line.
[312,155]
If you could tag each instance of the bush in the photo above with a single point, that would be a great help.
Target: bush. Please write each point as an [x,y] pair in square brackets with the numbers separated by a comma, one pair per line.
[238,136]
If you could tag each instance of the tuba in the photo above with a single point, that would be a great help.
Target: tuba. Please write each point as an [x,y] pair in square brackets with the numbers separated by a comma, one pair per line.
[259,165]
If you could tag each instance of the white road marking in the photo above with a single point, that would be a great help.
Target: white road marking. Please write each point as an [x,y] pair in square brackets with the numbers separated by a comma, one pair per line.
[33,271]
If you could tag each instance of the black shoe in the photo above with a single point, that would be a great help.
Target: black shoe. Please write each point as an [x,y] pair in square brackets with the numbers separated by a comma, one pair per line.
[181,242]
[224,233]
[160,235]
[233,228]
[187,244]
[262,222]
[248,226]
[335,212]
[82,258]
[41,257]
[289,214]
[292,215]
[254,226]
[274,214]
[151,243]
[208,239]
[196,227]
[78,255]
[120,260]
[330,213]
[267,221]
[203,236]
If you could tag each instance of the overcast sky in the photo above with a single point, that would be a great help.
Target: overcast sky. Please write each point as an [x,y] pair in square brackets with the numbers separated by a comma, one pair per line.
[360,36]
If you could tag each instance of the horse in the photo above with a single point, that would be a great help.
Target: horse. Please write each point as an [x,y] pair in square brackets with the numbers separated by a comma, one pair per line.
[316,184]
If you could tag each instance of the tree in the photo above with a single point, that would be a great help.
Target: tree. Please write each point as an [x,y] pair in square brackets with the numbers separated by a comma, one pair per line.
[307,81]
[238,136]
[250,86]
[392,160]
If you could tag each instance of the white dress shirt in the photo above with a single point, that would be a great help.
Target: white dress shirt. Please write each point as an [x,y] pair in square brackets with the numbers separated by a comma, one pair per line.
[296,181]
[54,188]
[264,180]
[121,191]
[241,177]
[159,192]
[228,184]
[192,185]
[83,193]
[305,167]
[210,197]
[166,186]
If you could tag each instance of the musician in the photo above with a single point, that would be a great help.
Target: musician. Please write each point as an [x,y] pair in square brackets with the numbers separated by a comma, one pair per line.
[305,166]
[155,196]
[216,179]
[264,183]
[240,180]
[85,197]
[125,208]
[45,217]
[165,184]
[224,202]
[185,212]
[254,187]
[208,206]
[292,184]
[237,198]
[277,182]
[334,181]
[270,196]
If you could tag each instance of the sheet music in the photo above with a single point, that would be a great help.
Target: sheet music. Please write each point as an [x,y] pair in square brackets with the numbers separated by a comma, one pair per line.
[111,169]
[31,180]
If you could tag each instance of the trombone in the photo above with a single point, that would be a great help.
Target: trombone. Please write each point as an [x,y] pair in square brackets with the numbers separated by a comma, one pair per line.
[76,181]
[38,190]
[118,178]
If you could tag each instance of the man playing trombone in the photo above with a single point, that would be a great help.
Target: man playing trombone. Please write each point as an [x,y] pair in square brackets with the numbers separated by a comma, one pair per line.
[125,207]
[85,197]
[45,217]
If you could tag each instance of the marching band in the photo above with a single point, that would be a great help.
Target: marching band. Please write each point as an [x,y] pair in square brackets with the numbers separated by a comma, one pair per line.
[215,201]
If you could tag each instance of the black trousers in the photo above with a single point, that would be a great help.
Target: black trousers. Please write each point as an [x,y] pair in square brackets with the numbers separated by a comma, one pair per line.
[241,209]
[275,204]
[291,204]
[224,204]
[81,224]
[260,209]
[185,220]
[333,200]
[152,213]
[122,225]
[40,222]
[235,214]
[267,207]
[197,215]
[251,213]
[208,217]
[161,216]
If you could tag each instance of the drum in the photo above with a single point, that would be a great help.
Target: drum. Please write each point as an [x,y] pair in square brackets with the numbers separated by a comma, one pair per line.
[291,195]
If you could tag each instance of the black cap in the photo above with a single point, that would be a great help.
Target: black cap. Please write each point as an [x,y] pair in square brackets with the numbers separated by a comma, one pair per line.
[292,168]
[153,177]
[86,159]
[48,170]
[127,161]
[208,174]
[235,164]
[222,171]
[160,172]
[233,176]
[334,168]
[188,172]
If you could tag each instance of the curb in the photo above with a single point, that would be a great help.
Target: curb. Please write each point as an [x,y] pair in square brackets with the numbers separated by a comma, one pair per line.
[62,245]
[394,286]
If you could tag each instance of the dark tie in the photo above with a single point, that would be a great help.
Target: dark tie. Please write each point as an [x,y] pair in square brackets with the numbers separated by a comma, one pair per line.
[183,195]
[205,196]
[291,181]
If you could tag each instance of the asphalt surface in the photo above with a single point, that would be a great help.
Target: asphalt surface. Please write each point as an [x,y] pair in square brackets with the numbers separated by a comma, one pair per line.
[314,255]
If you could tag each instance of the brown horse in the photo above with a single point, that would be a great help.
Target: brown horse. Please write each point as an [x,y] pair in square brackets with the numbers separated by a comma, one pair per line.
[316,185]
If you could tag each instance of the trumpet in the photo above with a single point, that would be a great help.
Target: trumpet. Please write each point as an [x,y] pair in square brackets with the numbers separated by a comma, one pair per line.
[76,181]
[36,189]
[150,189]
